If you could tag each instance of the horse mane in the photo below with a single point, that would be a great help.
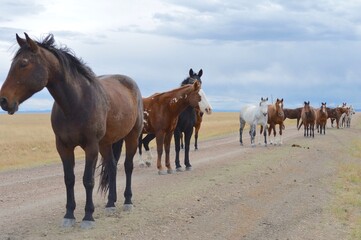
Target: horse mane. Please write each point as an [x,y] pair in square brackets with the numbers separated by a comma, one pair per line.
[190,80]
[65,56]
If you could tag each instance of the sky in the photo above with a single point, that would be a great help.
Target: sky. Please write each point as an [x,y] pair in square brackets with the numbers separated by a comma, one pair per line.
[296,50]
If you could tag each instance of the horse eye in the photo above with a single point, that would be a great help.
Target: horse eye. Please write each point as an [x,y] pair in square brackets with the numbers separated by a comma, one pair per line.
[24,62]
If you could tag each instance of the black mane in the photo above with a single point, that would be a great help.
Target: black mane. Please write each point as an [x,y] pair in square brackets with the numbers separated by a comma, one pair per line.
[66,57]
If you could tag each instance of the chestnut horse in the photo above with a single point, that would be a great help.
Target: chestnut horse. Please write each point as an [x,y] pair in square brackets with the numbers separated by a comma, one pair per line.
[161,112]
[293,114]
[321,118]
[308,116]
[93,113]
[275,116]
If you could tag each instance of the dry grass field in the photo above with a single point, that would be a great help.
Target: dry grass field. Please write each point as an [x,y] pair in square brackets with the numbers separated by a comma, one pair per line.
[28,139]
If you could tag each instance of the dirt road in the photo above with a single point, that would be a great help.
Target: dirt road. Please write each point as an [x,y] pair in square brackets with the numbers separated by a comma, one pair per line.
[233,192]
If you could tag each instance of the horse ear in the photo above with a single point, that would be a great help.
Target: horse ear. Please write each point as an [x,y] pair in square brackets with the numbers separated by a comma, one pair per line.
[282,100]
[305,102]
[191,73]
[261,98]
[21,41]
[33,46]
[308,103]
[200,73]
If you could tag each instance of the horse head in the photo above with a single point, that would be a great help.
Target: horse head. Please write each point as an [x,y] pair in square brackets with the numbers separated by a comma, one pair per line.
[264,106]
[279,107]
[193,77]
[323,107]
[28,74]
[307,109]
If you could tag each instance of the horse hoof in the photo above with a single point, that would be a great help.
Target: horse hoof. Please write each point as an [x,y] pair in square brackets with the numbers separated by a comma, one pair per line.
[110,210]
[170,171]
[87,224]
[162,172]
[179,169]
[127,207]
[68,222]
[148,164]
[189,168]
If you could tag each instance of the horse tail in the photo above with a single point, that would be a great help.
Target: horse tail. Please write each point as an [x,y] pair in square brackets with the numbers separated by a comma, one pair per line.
[300,125]
[108,166]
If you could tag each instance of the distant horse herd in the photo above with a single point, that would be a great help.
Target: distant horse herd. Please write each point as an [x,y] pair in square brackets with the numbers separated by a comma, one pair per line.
[307,116]
[99,113]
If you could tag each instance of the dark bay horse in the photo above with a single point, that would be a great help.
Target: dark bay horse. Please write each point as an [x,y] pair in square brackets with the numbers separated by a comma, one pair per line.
[275,116]
[293,114]
[93,113]
[321,118]
[161,112]
[308,116]
[187,120]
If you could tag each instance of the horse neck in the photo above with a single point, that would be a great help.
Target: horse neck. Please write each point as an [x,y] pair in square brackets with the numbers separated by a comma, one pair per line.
[68,89]
[179,103]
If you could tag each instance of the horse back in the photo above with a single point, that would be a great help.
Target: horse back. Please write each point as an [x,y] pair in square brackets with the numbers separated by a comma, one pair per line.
[125,106]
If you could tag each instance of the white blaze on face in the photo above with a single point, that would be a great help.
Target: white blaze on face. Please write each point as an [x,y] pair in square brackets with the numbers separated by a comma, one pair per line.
[204,105]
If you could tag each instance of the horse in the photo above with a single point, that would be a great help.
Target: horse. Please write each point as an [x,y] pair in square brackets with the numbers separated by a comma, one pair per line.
[254,115]
[293,114]
[150,136]
[321,118]
[335,114]
[95,113]
[161,112]
[186,122]
[197,126]
[349,116]
[308,116]
[275,116]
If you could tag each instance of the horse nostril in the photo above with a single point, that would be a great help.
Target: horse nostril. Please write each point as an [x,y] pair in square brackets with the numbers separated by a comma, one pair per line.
[4,103]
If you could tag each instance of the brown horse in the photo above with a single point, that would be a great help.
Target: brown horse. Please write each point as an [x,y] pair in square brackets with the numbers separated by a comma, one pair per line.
[161,113]
[321,118]
[275,116]
[293,114]
[96,114]
[308,116]
[335,114]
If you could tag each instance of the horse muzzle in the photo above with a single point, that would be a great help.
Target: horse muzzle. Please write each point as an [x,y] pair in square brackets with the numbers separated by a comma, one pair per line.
[208,110]
[10,108]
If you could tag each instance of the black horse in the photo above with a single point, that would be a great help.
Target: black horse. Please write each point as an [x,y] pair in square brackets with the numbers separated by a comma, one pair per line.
[186,122]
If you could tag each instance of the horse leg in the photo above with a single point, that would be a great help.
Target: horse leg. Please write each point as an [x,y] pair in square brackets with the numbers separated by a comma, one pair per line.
[167,140]
[140,145]
[196,138]
[160,143]
[304,129]
[146,140]
[131,149]
[280,132]
[187,142]
[177,143]
[264,134]
[91,157]
[252,133]
[68,160]
[181,140]
[242,124]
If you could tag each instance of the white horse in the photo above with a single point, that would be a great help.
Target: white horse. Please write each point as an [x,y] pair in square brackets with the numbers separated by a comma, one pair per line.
[348,117]
[254,115]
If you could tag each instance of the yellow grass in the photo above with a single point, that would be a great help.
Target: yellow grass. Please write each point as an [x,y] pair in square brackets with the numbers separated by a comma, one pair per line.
[28,140]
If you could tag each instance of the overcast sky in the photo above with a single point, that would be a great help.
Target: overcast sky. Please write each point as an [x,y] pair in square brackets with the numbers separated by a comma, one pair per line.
[296,50]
